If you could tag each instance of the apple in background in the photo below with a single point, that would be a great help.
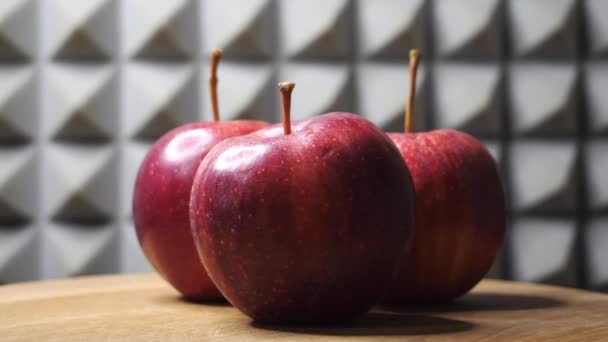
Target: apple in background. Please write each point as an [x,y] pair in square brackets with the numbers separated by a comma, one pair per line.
[303,223]
[162,193]
[460,212]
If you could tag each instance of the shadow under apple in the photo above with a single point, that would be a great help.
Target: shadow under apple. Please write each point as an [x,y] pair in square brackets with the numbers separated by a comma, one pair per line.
[177,299]
[379,324]
[486,301]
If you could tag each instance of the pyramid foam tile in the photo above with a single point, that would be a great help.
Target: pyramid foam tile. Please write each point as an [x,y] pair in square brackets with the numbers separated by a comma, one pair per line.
[596,83]
[321,88]
[167,31]
[467,28]
[543,29]
[18,25]
[382,91]
[74,249]
[79,102]
[79,30]
[19,253]
[597,27]
[132,259]
[544,176]
[468,97]
[596,238]
[249,32]
[18,119]
[555,262]
[153,98]
[403,27]
[596,165]
[85,194]
[544,99]
[245,91]
[18,185]
[316,29]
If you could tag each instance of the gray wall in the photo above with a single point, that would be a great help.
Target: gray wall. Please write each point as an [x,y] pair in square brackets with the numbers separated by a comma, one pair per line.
[87,86]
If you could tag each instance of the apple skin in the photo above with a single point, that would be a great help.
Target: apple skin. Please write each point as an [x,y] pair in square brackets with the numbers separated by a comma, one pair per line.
[307,227]
[460,216]
[161,197]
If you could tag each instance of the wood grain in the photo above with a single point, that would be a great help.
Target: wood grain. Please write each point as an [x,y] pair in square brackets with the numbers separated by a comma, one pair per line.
[144,308]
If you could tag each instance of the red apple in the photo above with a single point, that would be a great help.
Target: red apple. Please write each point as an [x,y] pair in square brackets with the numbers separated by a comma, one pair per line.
[460,212]
[162,192]
[304,222]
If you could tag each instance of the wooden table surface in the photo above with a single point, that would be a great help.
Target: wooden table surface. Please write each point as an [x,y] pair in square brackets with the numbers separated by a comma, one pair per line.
[144,308]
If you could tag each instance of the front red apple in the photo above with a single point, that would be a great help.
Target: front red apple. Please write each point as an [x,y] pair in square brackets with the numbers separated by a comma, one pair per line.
[305,222]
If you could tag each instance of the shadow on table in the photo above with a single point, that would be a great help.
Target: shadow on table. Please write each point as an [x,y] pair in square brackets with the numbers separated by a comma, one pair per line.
[379,324]
[217,302]
[483,302]
[183,300]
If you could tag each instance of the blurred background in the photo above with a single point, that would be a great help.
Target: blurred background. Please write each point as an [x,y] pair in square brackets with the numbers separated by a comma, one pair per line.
[87,86]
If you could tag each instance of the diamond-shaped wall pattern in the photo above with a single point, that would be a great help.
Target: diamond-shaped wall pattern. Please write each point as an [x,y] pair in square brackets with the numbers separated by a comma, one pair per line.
[18,123]
[158,29]
[543,29]
[316,28]
[596,165]
[386,81]
[475,108]
[544,176]
[467,28]
[18,185]
[248,34]
[543,99]
[82,188]
[18,39]
[246,91]
[326,88]
[87,86]
[555,264]
[77,30]
[596,253]
[19,253]
[597,28]
[133,259]
[75,249]
[403,24]
[596,77]
[80,100]
[154,96]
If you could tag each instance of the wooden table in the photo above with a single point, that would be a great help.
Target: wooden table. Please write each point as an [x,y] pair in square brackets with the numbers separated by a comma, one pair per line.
[144,308]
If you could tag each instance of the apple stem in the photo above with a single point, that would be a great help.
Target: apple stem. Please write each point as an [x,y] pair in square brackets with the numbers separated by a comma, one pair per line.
[286,88]
[216,55]
[414,61]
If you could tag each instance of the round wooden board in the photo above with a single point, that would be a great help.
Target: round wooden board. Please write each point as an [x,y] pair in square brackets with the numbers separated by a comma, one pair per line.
[144,308]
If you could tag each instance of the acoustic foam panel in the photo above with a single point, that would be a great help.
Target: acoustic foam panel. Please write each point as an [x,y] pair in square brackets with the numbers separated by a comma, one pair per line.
[86,86]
